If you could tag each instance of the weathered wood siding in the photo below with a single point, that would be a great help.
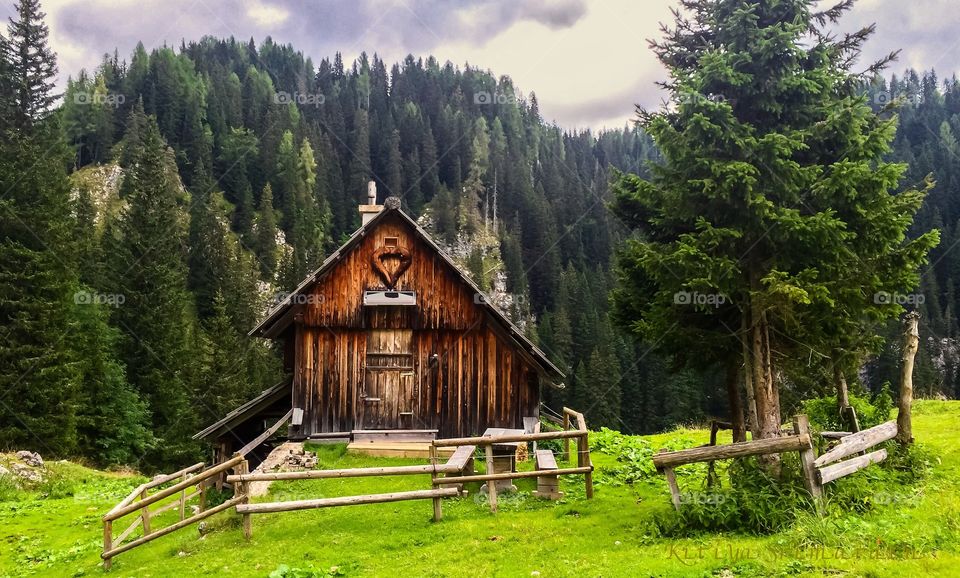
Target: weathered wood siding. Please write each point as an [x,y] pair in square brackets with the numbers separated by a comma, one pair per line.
[477,379]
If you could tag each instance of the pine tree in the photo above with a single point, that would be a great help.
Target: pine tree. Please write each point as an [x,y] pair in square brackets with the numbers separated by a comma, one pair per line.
[32,64]
[149,269]
[266,240]
[41,383]
[752,205]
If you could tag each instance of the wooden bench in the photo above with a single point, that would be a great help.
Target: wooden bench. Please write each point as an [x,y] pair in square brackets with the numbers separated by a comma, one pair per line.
[547,486]
[462,460]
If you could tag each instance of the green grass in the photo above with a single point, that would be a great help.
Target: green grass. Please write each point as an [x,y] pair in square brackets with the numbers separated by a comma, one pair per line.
[911,531]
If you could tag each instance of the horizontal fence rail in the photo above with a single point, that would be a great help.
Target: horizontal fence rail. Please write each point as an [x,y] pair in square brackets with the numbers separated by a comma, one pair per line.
[345,473]
[270,507]
[738,450]
[858,442]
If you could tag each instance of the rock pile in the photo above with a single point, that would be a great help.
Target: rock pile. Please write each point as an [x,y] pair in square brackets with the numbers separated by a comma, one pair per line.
[32,459]
[300,459]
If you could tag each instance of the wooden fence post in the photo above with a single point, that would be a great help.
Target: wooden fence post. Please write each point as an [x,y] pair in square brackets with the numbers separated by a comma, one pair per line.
[583,460]
[203,493]
[183,498]
[674,488]
[243,491]
[145,514]
[437,507]
[801,425]
[107,543]
[491,484]
[566,441]
[911,342]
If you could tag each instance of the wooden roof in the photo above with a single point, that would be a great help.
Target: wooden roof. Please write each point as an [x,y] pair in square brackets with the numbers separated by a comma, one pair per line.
[281,316]
[248,410]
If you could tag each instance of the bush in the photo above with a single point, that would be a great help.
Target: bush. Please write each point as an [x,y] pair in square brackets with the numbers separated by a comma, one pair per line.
[754,502]
[634,457]
[824,412]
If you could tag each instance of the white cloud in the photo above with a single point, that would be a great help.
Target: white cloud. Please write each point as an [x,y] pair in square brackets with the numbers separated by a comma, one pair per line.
[266,15]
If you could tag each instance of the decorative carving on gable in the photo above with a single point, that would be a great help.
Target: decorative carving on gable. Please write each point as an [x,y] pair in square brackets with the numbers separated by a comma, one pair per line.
[390,263]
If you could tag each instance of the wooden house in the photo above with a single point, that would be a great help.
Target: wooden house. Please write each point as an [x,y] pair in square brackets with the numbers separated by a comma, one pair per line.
[389,334]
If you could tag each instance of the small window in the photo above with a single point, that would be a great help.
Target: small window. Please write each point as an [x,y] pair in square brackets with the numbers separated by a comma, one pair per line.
[379,298]
[391,241]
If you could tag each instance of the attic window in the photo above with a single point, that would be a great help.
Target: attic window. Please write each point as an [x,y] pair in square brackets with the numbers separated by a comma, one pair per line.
[382,298]
[391,241]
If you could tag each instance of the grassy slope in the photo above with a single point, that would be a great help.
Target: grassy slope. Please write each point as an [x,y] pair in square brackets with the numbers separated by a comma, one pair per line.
[612,535]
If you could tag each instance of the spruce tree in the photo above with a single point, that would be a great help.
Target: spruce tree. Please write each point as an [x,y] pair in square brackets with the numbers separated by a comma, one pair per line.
[773,199]
[266,240]
[32,63]
[149,268]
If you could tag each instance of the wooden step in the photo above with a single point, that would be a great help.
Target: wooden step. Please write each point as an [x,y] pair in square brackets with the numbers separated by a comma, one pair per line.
[394,435]
[417,450]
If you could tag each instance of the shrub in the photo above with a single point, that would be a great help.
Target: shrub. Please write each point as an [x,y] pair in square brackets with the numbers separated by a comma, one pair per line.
[824,412]
[754,502]
[634,457]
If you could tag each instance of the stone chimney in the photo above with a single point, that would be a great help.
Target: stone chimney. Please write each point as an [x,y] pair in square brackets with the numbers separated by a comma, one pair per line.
[370,210]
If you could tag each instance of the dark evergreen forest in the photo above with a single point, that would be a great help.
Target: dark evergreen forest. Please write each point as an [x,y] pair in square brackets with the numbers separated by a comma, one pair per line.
[151,216]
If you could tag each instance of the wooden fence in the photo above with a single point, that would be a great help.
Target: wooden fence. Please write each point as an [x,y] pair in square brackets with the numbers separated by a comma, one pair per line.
[197,476]
[200,477]
[816,471]
[140,499]
[242,479]
[581,435]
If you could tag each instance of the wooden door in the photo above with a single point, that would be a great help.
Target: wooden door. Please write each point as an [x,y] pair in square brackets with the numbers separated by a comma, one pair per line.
[387,398]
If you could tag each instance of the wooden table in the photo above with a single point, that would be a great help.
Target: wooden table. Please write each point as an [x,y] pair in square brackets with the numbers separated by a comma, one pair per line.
[504,457]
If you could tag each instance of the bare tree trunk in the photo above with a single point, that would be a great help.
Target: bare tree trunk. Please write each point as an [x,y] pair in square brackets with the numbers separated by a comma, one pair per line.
[766,396]
[840,380]
[847,414]
[736,404]
[911,343]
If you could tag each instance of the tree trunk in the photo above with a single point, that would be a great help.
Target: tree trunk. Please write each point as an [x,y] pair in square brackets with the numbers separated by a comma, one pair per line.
[911,343]
[766,396]
[748,377]
[840,380]
[736,404]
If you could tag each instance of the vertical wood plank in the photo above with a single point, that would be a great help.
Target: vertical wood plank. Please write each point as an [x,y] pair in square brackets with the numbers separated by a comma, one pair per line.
[674,488]
[801,425]
[243,489]
[145,514]
[107,543]
[183,498]
[584,461]
[491,484]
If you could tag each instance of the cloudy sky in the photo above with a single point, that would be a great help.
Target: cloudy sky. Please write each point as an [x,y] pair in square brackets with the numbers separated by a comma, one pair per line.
[587,60]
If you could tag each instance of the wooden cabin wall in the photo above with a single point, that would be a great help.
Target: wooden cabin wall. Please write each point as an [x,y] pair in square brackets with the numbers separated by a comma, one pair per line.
[479,380]
[443,300]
